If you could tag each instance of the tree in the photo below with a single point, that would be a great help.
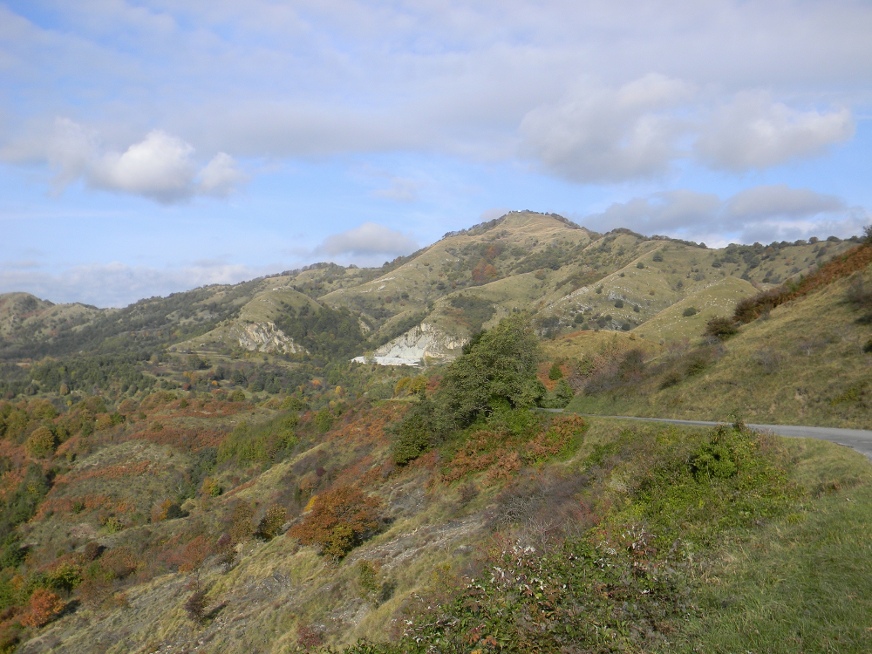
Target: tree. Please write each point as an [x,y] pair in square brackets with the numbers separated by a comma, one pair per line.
[498,367]
[720,328]
[42,442]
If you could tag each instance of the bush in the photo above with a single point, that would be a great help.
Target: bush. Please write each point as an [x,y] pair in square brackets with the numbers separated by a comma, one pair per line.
[43,607]
[340,519]
[689,311]
[195,606]
[41,443]
[721,328]
[414,434]
[271,523]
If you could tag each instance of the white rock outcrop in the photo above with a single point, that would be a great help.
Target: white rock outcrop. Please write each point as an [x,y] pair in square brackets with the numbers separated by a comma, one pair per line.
[421,343]
[265,337]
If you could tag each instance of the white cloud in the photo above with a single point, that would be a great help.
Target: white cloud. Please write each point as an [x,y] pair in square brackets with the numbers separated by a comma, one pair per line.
[370,239]
[762,213]
[781,200]
[753,131]
[604,135]
[161,167]
[220,176]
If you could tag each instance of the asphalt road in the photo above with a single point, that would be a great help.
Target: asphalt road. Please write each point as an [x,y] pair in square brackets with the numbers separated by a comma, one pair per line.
[858,439]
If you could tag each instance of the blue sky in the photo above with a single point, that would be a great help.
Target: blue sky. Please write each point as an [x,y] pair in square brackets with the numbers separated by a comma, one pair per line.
[150,147]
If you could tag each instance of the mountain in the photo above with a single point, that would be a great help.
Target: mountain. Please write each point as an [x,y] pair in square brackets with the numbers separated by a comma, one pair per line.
[213,471]
[426,305]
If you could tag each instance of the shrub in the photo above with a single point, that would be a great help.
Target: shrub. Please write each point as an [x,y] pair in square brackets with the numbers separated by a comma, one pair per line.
[340,519]
[42,442]
[271,523]
[195,606]
[689,311]
[241,522]
[414,434]
[720,328]
[43,606]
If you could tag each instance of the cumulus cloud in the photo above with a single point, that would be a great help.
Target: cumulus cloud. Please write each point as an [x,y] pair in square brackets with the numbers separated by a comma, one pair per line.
[220,176]
[161,167]
[368,240]
[753,131]
[759,213]
[608,134]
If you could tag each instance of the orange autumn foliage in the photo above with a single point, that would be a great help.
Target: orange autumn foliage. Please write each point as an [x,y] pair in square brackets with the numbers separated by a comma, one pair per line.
[341,518]
[43,606]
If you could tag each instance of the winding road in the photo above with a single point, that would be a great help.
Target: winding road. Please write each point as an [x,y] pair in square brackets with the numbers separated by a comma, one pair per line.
[858,439]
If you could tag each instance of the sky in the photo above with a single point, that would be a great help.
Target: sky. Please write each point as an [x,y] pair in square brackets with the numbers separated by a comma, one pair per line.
[149,147]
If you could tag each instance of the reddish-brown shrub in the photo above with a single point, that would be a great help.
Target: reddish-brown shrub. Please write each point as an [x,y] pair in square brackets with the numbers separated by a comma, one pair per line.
[841,266]
[120,562]
[194,553]
[340,519]
[43,606]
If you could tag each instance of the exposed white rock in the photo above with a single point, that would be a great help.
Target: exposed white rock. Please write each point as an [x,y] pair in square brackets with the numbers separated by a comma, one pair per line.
[265,337]
[419,344]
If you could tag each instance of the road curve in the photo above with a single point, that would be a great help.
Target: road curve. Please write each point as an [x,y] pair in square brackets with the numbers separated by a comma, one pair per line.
[858,439]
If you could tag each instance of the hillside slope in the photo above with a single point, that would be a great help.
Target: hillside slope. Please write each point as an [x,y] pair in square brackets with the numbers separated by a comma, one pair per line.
[806,361]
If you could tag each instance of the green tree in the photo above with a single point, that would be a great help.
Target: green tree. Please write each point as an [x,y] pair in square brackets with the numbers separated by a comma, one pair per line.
[497,367]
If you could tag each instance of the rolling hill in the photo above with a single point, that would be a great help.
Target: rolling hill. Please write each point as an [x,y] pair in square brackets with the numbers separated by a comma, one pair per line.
[229,469]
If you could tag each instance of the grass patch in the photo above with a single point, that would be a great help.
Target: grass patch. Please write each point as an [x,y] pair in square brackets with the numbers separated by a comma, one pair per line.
[802,583]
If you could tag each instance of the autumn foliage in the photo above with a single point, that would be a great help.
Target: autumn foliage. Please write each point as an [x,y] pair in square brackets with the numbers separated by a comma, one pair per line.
[44,605]
[842,266]
[340,519]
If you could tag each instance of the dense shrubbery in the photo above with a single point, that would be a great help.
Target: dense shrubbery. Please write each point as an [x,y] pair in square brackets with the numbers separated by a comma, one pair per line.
[622,585]
[259,444]
[340,519]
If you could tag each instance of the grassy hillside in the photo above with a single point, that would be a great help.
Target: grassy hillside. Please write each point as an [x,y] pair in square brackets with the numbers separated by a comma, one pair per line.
[211,472]
[467,545]
[806,361]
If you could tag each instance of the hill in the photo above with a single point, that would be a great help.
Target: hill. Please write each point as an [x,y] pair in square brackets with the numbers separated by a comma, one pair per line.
[801,361]
[566,276]
[213,471]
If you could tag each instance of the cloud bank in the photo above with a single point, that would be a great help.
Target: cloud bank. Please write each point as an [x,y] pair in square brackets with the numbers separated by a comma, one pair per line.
[367,241]
[762,213]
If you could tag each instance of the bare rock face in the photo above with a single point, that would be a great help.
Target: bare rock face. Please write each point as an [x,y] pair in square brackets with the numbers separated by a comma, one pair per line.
[265,337]
[419,344]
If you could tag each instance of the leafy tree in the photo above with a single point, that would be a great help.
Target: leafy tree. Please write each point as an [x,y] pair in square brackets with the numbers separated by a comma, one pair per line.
[499,366]
[414,435]
[41,442]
